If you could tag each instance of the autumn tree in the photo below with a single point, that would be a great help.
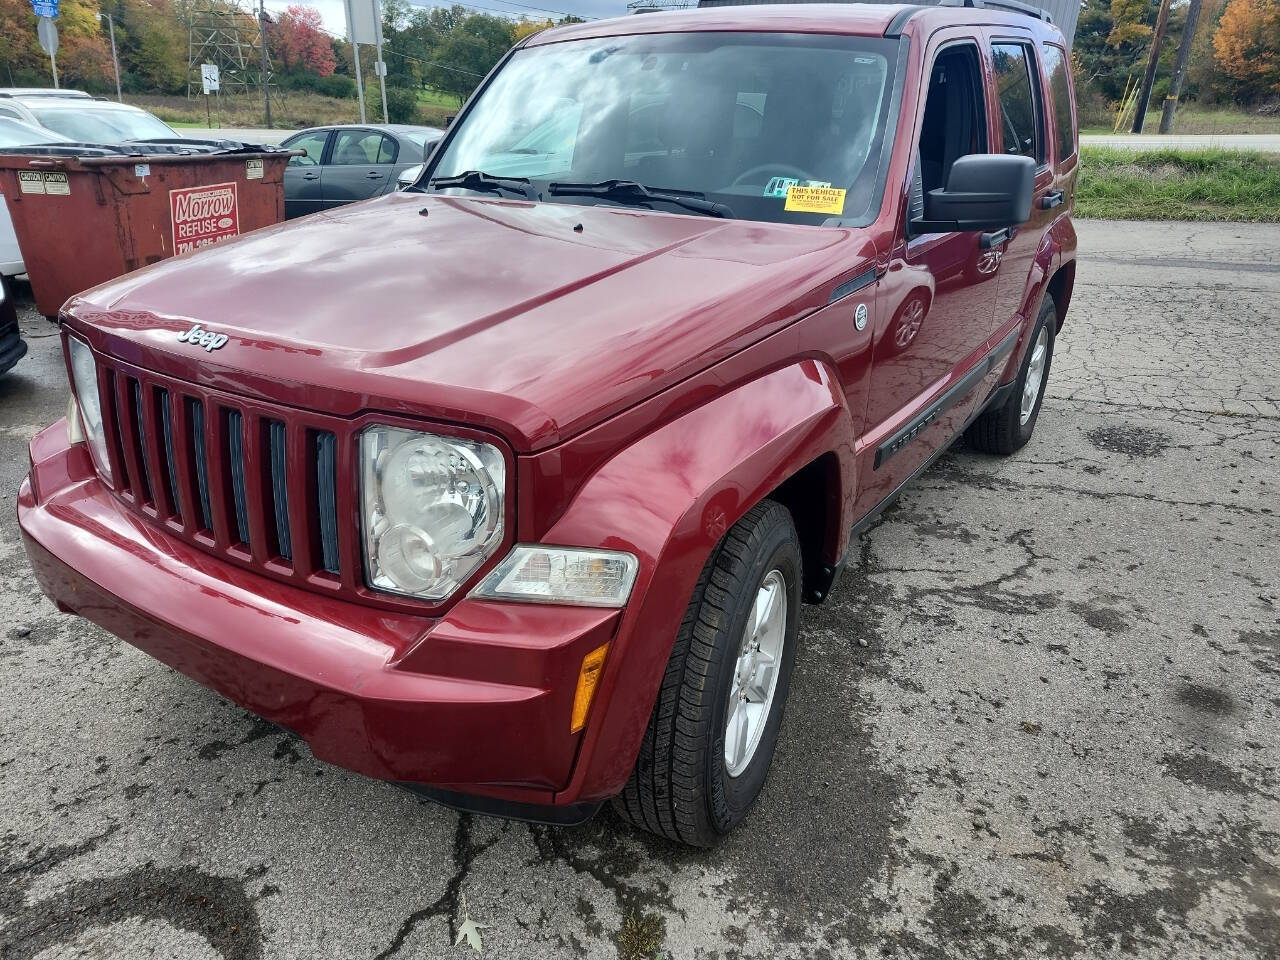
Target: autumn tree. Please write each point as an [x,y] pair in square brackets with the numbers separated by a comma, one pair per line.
[1128,22]
[84,59]
[1246,47]
[298,41]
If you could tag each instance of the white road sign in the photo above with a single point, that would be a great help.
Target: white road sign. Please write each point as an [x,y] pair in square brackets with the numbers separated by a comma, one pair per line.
[209,77]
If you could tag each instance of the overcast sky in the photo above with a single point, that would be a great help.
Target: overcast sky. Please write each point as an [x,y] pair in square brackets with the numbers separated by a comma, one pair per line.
[335,19]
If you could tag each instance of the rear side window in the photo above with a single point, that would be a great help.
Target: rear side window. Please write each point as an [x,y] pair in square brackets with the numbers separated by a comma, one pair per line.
[1055,62]
[1018,108]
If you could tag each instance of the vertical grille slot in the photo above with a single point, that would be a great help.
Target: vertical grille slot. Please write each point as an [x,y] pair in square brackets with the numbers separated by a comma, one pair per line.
[327,498]
[140,432]
[111,424]
[235,438]
[170,464]
[195,417]
[279,487]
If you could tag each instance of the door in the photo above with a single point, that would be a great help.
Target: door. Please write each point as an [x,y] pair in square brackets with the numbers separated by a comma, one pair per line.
[1022,130]
[361,165]
[935,305]
[302,174]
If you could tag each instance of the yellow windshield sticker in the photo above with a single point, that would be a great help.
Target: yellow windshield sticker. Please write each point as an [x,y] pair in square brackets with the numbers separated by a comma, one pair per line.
[815,200]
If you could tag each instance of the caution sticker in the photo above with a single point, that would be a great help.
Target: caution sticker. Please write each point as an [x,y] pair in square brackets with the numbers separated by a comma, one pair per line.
[253,169]
[815,200]
[57,185]
[31,181]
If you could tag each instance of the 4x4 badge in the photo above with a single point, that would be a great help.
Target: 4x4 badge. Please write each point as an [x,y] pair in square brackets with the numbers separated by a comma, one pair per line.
[203,338]
[860,317]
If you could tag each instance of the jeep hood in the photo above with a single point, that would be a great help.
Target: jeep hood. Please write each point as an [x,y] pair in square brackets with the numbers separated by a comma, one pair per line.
[536,320]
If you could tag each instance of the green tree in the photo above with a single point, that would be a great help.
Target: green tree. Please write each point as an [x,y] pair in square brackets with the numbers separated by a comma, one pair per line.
[467,52]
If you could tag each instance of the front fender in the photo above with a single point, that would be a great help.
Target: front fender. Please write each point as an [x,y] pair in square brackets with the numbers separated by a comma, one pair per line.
[669,498]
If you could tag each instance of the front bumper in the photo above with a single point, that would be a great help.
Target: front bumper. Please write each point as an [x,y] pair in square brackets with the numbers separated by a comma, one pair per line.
[474,705]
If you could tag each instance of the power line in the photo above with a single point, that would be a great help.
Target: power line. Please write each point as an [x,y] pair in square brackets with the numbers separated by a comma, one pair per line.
[406,56]
[563,13]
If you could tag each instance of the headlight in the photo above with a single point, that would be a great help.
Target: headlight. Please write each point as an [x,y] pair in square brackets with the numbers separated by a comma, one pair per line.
[84,377]
[590,578]
[433,509]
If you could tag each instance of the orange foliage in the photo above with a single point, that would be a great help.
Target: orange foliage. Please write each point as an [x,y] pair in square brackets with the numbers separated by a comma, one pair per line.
[1247,46]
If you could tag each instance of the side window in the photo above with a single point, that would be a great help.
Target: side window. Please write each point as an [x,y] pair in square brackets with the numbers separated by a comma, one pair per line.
[1055,61]
[955,120]
[356,147]
[9,112]
[313,144]
[388,150]
[1019,111]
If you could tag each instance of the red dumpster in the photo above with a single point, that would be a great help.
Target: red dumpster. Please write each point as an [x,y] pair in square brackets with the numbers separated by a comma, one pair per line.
[83,220]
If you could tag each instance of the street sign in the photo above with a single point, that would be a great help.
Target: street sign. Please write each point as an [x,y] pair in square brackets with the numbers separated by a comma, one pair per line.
[363,16]
[47,32]
[210,78]
[45,8]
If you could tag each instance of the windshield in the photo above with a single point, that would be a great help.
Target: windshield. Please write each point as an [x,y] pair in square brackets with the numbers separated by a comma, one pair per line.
[102,125]
[740,118]
[14,133]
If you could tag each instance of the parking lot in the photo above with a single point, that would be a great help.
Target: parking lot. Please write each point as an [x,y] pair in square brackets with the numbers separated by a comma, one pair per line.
[1039,716]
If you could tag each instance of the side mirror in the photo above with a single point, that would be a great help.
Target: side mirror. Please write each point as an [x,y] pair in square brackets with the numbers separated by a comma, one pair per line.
[985,191]
[409,176]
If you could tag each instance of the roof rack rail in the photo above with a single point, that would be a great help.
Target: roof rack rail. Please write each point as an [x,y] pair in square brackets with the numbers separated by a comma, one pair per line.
[1014,6]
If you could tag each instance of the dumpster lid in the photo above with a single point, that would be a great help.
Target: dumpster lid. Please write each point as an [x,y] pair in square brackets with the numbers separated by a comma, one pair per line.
[157,149]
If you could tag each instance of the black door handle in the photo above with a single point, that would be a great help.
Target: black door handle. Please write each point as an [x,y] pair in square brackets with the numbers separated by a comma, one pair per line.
[993,239]
[373,175]
[1052,199]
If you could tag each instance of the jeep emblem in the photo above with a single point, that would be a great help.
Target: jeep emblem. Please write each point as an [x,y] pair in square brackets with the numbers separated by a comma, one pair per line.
[860,317]
[203,338]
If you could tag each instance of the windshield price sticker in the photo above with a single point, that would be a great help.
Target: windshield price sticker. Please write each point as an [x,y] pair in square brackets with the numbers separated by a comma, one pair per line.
[815,200]
[203,216]
[778,186]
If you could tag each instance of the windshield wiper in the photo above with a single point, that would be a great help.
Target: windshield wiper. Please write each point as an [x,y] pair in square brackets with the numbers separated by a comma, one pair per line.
[630,191]
[484,182]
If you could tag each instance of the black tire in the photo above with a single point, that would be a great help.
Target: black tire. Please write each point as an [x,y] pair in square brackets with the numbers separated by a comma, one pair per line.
[1000,430]
[680,788]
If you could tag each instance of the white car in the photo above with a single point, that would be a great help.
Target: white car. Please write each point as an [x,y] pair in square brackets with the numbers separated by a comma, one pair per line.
[77,116]
[14,133]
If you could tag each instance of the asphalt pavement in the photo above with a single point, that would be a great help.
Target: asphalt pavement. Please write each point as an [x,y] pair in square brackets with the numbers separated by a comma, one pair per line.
[1060,739]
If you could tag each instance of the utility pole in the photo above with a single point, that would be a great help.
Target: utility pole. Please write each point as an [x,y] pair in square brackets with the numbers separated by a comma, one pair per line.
[1180,67]
[115,60]
[355,52]
[266,79]
[381,67]
[1149,78]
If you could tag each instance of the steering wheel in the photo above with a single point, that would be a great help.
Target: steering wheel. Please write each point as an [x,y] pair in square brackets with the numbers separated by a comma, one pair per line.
[783,168]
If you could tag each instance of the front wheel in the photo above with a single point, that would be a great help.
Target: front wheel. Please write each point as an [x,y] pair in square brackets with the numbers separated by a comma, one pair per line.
[1006,428]
[711,736]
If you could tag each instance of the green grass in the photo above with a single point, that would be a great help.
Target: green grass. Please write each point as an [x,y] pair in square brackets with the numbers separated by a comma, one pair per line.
[1179,185]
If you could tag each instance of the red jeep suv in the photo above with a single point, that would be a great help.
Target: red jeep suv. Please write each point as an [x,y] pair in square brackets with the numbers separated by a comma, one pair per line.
[509,487]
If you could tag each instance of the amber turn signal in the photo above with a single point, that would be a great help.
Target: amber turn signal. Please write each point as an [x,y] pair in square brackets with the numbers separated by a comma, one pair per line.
[588,680]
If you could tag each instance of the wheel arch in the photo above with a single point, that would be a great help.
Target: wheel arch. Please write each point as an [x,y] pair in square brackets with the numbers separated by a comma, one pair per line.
[1060,286]
[670,497]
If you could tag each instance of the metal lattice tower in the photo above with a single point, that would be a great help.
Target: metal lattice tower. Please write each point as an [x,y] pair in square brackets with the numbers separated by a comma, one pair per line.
[228,37]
